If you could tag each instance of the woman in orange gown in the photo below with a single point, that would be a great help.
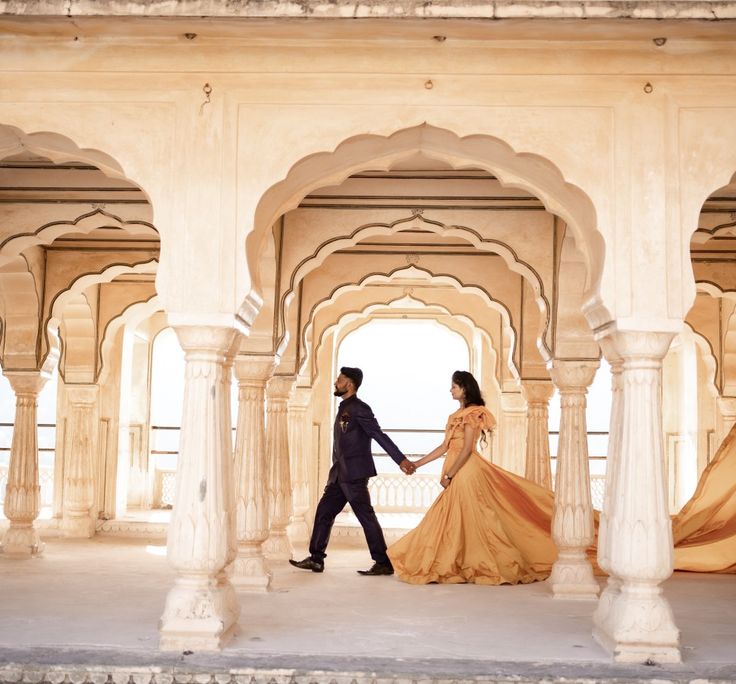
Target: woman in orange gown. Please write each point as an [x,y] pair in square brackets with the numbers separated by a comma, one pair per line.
[488,526]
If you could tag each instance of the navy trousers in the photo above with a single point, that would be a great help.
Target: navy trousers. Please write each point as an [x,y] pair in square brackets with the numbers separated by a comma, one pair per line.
[333,500]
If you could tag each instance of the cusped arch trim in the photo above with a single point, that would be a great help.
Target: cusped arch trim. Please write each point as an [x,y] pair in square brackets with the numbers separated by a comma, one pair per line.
[85,223]
[473,237]
[531,172]
[133,314]
[368,314]
[80,284]
[709,359]
[59,149]
[410,271]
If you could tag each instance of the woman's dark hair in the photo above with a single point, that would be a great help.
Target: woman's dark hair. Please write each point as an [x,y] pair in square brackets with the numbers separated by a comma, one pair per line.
[469,385]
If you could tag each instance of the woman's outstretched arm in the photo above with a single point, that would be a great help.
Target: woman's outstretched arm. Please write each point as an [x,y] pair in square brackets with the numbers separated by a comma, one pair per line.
[432,455]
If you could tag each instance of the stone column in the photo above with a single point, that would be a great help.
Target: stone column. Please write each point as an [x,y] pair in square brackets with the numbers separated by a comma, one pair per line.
[250,571]
[201,609]
[537,395]
[80,450]
[572,523]
[613,584]
[300,446]
[22,492]
[279,387]
[640,626]
[512,433]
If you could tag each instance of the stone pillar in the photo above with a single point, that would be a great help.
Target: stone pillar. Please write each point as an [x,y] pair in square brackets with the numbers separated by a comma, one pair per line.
[640,626]
[201,609]
[300,446]
[613,584]
[250,571]
[80,451]
[537,395]
[512,433]
[572,523]
[279,387]
[22,492]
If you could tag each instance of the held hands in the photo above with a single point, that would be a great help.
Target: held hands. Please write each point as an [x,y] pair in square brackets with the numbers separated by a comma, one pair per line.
[407,467]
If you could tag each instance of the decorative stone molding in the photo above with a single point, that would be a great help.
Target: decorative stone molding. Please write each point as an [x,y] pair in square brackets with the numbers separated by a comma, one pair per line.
[279,387]
[80,450]
[300,442]
[538,468]
[250,571]
[572,523]
[512,433]
[23,490]
[201,609]
[639,625]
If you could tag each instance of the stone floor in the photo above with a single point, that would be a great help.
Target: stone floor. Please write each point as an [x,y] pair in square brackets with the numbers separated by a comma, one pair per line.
[97,603]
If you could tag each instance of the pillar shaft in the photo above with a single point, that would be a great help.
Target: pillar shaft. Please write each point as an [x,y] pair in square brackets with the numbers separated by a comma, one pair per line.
[80,451]
[201,609]
[250,571]
[512,433]
[300,444]
[279,387]
[22,492]
[538,467]
[613,583]
[572,522]
[640,625]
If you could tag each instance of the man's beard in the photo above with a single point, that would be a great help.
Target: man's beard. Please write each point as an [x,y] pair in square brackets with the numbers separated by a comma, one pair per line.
[339,392]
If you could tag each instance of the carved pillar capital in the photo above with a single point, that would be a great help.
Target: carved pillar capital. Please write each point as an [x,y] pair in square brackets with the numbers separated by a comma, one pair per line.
[279,387]
[251,368]
[203,340]
[26,383]
[573,375]
[537,391]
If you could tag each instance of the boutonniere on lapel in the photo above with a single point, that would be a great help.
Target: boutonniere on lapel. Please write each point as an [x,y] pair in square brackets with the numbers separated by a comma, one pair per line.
[344,420]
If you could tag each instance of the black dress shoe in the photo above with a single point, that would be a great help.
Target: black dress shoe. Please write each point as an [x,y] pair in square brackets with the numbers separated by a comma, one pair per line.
[378,569]
[308,564]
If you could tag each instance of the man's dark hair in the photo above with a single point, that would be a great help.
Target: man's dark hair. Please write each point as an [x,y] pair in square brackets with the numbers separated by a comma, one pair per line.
[355,374]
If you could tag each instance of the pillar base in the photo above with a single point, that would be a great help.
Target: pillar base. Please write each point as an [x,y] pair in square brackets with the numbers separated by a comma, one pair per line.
[277,546]
[573,580]
[200,615]
[604,610]
[249,571]
[22,541]
[640,629]
[82,527]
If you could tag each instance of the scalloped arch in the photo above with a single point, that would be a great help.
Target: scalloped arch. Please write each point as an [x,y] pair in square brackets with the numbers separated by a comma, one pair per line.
[79,285]
[84,223]
[132,315]
[530,172]
[339,292]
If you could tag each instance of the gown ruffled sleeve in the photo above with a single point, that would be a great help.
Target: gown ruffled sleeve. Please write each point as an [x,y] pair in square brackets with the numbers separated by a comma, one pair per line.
[479,417]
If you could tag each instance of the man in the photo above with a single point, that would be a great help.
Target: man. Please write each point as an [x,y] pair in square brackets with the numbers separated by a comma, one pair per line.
[352,466]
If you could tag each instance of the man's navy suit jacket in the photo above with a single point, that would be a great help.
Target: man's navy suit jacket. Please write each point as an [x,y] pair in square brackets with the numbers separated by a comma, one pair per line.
[355,426]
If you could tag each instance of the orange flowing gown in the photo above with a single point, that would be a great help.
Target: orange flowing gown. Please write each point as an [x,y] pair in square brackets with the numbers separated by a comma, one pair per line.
[490,526]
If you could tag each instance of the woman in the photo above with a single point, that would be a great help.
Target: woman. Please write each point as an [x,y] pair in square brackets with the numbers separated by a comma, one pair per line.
[488,526]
